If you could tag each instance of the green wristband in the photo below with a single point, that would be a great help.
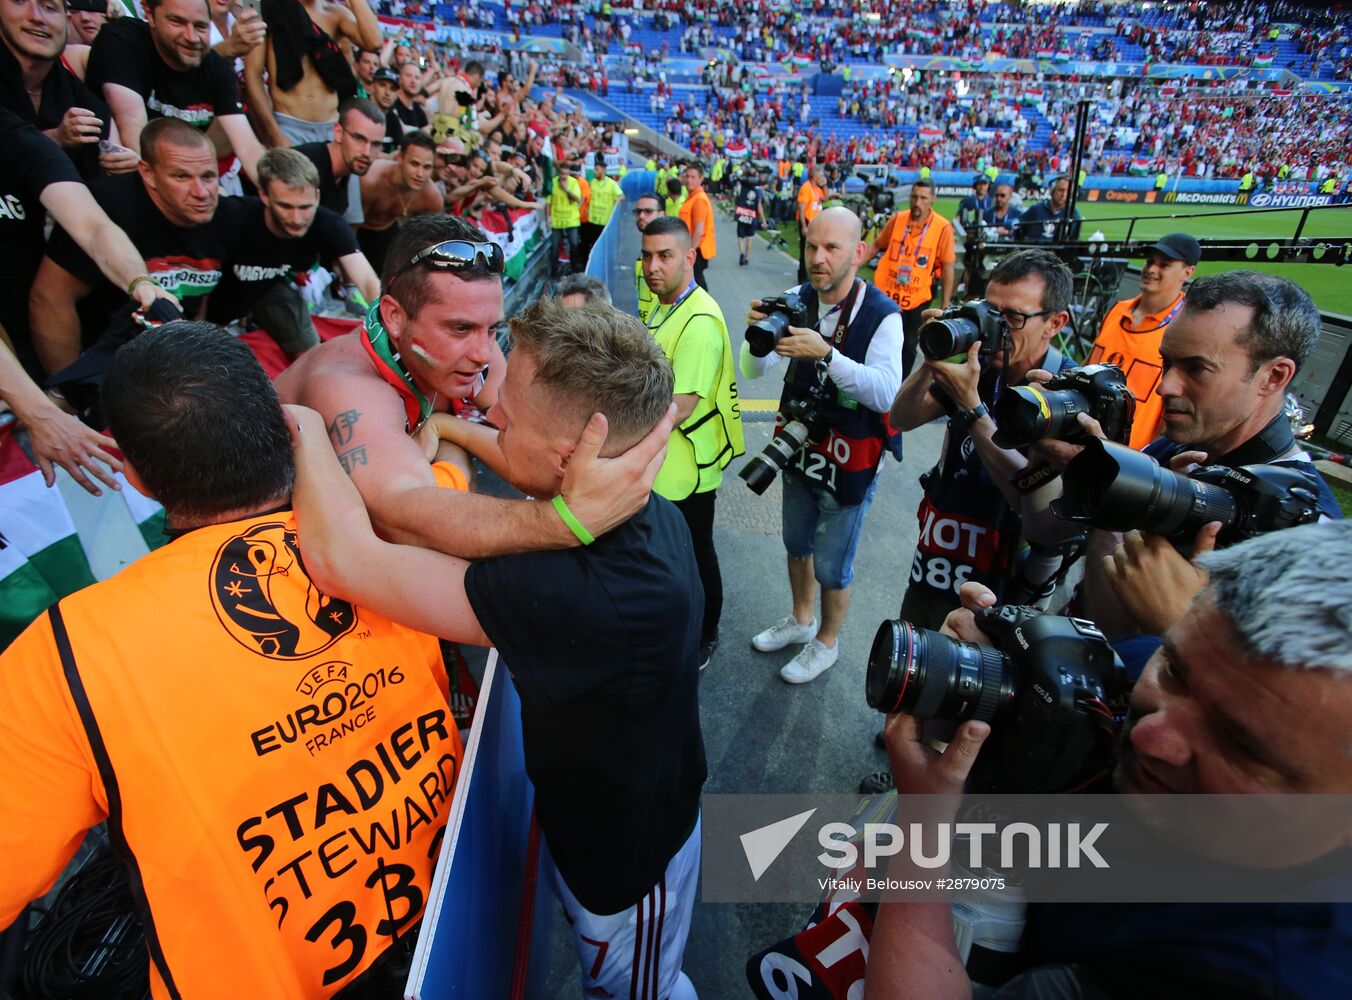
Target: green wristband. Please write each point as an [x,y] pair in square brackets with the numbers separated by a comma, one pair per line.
[574,525]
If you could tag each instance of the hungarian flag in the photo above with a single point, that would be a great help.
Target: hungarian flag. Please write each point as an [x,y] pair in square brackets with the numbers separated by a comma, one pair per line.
[1065,55]
[41,558]
[1263,61]
[517,231]
[930,132]
[1032,96]
[1046,53]
[1139,167]
[736,149]
[147,514]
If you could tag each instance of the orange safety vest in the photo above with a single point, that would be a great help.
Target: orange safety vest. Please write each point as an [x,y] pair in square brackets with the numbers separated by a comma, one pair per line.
[906,272]
[277,764]
[810,197]
[1136,350]
[584,209]
[699,204]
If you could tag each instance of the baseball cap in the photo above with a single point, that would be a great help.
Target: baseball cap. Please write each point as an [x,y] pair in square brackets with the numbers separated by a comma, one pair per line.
[1180,246]
[88,6]
[386,74]
[980,179]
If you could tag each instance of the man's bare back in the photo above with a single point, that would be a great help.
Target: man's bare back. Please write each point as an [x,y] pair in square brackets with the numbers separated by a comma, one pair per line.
[386,198]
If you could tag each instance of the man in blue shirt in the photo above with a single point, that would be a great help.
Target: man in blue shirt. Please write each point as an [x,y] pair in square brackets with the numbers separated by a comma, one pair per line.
[1040,223]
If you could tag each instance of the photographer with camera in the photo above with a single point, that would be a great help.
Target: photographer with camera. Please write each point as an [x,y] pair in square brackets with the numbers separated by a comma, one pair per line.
[842,338]
[1229,356]
[1249,695]
[913,247]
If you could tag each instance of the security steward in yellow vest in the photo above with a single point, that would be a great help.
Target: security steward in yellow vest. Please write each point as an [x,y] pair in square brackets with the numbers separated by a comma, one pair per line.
[647,207]
[689,327]
[914,246]
[275,765]
[605,194]
[1246,184]
[565,219]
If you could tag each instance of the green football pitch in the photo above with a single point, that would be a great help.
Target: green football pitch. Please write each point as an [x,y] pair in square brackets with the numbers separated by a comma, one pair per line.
[1330,286]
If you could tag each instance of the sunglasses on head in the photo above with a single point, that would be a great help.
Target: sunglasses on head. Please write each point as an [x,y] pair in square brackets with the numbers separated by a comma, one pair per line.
[457,255]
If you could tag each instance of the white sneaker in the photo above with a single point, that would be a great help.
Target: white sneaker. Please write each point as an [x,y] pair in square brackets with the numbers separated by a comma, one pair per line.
[811,660]
[786,632]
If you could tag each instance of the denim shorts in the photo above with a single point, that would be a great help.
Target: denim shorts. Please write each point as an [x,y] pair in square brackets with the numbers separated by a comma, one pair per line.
[815,524]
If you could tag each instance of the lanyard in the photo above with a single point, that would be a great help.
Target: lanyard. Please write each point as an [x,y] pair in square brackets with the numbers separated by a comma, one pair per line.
[689,289]
[906,235]
[417,407]
[1126,319]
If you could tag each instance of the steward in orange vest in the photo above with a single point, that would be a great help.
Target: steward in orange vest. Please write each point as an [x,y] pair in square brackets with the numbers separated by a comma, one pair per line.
[276,766]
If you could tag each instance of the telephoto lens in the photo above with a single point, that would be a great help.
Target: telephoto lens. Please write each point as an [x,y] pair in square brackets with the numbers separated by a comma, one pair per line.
[1028,413]
[930,676]
[1112,487]
[760,471]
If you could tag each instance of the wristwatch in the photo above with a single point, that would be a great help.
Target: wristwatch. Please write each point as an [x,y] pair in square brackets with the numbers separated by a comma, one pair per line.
[830,356]
[966,418]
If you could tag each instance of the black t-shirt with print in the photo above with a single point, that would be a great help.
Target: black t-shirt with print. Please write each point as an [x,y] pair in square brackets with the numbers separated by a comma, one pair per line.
[263,258]
[187,261]
[124,54]
[601,642]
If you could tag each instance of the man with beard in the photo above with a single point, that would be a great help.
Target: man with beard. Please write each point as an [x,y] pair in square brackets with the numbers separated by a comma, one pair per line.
[307,73]
[162,68]
[344,160]
[37,86]
[1039,224]
[411,114]
[393,190]
[282,235]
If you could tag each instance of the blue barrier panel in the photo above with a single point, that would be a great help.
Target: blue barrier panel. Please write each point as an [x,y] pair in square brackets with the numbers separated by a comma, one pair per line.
[469,946]
[638,182]
[601,262]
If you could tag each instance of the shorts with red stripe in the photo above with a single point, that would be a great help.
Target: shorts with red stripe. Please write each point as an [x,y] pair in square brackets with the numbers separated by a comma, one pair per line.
[636,954]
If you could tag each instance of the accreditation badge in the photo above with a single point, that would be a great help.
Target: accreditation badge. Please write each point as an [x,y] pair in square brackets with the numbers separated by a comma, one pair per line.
[903,274]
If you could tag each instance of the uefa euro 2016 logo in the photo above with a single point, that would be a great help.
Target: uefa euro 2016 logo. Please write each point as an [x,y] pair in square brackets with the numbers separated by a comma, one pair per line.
[266,601]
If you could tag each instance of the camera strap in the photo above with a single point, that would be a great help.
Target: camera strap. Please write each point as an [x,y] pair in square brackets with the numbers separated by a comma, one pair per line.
[846,312]
[1273,442]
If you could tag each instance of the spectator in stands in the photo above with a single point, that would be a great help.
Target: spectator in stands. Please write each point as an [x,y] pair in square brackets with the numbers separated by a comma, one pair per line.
[1042,222]
[394,190]
[646,208]
[1133,329]
[36,85]
[1257,627]
[307,73]
[828,488]
[578,290]
[407,106]
[198,784]
[169,208]
[364,67]
[85,18]
[162,67]
[915,247]
[284,234]
[385,93]
[565,220]
[697,213]
[607,671]
[689,327]
[35,177]
[346,158]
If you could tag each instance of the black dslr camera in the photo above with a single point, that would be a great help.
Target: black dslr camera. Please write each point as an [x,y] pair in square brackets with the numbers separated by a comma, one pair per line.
[1051,689]
[803,422]
[1029,413]
[781,312]
[1109,486]
[952,335]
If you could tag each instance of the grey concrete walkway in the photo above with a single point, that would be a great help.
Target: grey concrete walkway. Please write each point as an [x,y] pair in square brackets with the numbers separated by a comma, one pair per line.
[760,734]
